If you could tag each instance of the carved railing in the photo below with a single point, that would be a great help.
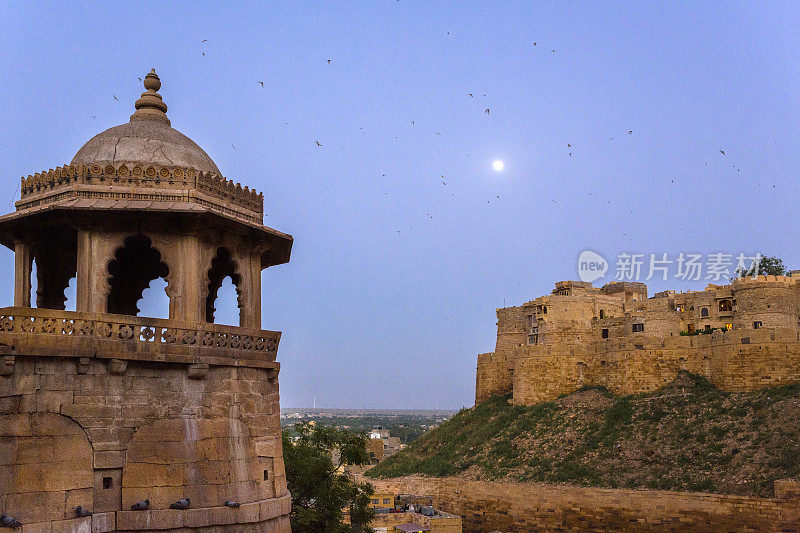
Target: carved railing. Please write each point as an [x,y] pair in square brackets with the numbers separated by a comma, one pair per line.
[67,333]
[227,192]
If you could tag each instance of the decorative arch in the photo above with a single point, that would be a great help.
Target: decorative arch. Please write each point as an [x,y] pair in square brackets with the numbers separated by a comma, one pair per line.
[134,266]
[55,252]
[222,266]
[704,312]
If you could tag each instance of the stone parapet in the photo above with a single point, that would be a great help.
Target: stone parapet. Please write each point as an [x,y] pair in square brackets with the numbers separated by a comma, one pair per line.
[524,507]
[133,182]
[67,333]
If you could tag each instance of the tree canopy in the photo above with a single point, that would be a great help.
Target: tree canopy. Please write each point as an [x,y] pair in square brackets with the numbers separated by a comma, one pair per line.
[770,266]
[319,491]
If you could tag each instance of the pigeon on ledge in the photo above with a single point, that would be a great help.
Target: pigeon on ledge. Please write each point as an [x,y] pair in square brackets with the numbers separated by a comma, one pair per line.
[231,504]
[141,506]
[80,512]
[181,504]
[9,521]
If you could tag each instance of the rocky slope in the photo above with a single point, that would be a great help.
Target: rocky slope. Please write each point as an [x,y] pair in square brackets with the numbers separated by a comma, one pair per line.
[687,436]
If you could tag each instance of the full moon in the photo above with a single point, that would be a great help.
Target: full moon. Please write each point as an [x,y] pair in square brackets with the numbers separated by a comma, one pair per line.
[498,165]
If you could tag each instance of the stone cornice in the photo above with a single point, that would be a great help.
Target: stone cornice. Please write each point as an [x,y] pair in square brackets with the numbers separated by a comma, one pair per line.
[134,175]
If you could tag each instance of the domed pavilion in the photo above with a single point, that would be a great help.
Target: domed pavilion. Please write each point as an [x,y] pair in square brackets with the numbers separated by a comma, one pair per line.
[101,408]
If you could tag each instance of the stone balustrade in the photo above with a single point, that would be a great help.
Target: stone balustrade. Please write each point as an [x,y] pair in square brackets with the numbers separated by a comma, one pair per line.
[47,332]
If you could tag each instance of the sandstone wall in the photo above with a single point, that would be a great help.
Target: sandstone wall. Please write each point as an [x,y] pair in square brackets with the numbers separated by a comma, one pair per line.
[508,507]
[737,360]
[493,377]
[105,434]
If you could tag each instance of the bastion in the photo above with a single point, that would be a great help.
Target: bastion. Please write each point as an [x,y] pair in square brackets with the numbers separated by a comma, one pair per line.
[101,408]
[742,337]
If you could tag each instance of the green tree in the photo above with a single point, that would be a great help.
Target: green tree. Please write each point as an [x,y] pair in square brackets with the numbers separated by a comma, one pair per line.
[319,491]
[771,266]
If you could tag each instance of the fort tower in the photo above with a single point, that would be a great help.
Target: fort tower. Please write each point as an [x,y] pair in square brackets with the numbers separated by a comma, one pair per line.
[102,408]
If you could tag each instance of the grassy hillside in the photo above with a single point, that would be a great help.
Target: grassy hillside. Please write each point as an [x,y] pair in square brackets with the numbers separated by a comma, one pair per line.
[687,436]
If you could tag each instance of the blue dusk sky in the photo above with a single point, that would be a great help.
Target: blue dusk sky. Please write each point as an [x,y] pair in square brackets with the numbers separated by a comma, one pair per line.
[610,118]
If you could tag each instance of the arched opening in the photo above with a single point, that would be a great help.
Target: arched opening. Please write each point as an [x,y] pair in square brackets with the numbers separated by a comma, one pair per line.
[223,268]
[704,312]
[602,314]
[71,294]
[55,263]
[134,266]
[154,302]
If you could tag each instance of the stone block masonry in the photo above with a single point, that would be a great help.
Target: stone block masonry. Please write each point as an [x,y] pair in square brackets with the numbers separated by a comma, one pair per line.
[522,508]
[742,337]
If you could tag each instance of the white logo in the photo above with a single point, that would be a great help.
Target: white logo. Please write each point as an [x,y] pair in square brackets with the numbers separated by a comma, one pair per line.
[591,266]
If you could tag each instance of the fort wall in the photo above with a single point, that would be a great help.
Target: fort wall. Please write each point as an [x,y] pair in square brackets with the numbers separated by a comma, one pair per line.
[513,507]
[615,337]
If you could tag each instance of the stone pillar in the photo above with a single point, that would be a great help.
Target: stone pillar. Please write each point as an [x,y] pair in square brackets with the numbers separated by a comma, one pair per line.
[83,277]
[193,275]
[91,281]
[250,270]
[23,263]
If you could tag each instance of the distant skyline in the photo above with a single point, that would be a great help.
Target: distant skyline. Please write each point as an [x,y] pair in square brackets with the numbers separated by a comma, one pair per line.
[365,126]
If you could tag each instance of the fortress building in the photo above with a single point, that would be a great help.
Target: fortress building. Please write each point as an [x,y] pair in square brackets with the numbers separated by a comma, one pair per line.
[742,337]
[102,408]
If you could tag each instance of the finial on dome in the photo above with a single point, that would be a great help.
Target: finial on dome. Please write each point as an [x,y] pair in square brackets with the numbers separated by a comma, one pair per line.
[150,106]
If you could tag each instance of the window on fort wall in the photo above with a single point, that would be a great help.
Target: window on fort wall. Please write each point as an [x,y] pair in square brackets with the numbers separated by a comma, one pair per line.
[638,327]
[725,305]
[602,314]
[704,312]
[757,324]
[604,333]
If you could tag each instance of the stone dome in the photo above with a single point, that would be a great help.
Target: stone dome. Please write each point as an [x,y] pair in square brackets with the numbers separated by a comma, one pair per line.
[148,138]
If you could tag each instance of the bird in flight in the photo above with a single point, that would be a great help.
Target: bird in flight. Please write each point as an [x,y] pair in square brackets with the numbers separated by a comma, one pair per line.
[487,111]
[205,40]
[262,83]
[722,152]
[569,145]
[329,61]
[140,79]
[552,50]
[470,95]
[115,97]
[317,143]
[204,54]
[232,146]
[93,117]
[630,132]
[534,44]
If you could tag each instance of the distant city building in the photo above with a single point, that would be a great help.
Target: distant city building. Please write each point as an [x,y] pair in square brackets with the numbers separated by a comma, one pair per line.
[381,445]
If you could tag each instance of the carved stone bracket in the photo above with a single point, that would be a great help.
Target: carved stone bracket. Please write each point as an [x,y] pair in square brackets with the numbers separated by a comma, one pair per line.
[198,371]
[117,367]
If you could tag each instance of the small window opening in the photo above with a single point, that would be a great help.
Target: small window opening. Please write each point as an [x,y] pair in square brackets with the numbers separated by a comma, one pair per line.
[638,327]
[757,324]
[704,312]
[266,475]
[602,314]
[107,482]
[604,333]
